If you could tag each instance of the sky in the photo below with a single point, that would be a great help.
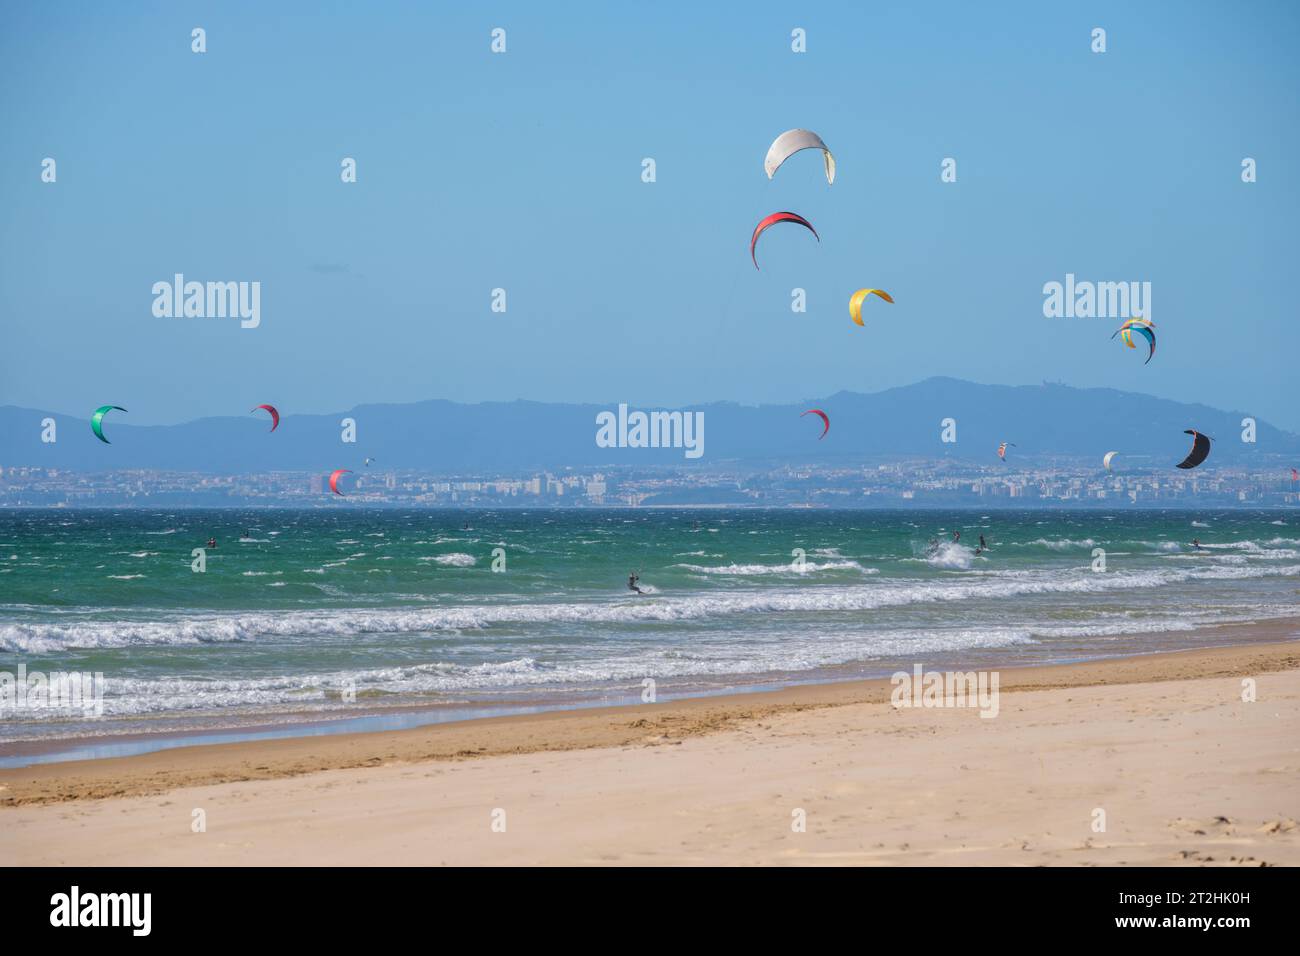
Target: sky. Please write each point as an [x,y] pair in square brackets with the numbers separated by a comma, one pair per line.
[522,171]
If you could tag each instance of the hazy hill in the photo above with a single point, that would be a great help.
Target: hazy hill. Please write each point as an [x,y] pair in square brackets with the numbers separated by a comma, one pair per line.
[1043,421]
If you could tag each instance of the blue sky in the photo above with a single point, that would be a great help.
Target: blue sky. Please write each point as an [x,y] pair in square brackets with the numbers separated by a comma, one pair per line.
[522,171]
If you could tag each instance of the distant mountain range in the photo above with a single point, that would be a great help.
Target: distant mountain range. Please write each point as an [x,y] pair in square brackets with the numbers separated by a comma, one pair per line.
[508,437]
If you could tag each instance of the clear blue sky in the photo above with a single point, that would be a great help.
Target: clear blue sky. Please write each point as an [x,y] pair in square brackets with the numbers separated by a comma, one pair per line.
[522,171]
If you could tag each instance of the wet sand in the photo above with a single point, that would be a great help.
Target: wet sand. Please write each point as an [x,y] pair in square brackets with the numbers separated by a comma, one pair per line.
[1184,771]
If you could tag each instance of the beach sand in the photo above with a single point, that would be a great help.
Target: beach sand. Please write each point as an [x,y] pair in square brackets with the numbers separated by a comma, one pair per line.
[1185,772]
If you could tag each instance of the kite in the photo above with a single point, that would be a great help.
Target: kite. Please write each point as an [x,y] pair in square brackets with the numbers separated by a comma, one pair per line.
[791,142]
[1106,461]
[275,416]
[334,479]
[1295,475]
[772,220]
[826,422]
[1200,449]
[856,300]
[368,461]
[1002,449]
[97,421]
[1143,328]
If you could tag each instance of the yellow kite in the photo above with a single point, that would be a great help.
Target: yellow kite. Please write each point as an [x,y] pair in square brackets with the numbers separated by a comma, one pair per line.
[855,303]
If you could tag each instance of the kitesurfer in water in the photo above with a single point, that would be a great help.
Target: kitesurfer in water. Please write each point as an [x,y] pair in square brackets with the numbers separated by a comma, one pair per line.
[1196,543]
[983,546]
[212,542]
[956,536]
[632,579]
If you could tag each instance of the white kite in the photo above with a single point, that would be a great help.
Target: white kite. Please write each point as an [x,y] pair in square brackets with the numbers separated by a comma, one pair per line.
[789,143]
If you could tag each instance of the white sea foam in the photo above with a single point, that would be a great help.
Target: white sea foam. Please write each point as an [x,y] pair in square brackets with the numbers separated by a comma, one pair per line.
[136,696]
[1202,556]
[950,555]
[1162,545]
[1059,544]
[314,692]
[48,637]
[785,568]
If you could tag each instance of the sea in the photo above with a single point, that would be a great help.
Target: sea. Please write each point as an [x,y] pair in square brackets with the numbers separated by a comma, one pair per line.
[318,621]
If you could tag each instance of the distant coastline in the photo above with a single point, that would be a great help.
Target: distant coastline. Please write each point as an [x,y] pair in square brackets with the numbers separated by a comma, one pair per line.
[911,486]
[1189,506]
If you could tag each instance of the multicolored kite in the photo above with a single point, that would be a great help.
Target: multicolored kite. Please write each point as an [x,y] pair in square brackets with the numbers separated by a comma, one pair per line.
[1143,328]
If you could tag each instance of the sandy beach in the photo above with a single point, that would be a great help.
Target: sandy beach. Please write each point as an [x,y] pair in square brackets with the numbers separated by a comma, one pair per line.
[1184,771]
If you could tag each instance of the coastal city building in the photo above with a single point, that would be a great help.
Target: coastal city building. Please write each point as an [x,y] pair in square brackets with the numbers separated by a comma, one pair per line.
[907,484]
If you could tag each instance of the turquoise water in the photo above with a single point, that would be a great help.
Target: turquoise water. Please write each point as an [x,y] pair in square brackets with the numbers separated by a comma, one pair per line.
[298,609]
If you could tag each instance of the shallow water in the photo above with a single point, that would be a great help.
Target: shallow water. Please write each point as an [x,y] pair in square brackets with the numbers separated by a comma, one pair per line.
[299,610]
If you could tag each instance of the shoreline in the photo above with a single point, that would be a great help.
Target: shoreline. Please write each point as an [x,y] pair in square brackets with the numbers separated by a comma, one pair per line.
[579,729]
[27,752]
[1153,761]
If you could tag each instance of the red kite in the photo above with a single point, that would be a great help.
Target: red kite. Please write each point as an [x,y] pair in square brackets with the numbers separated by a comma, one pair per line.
[275,416]
[772,220]
[826,422]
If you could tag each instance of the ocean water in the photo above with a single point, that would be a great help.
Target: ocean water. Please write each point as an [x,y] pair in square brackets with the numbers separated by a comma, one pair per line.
[311,617]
